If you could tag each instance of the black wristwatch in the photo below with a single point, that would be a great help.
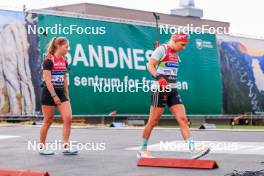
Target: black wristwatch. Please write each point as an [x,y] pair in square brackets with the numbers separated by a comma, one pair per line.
[54,95]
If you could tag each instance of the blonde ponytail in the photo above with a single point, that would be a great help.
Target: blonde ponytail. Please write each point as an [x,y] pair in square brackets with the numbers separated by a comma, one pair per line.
[53,45]
[51,48]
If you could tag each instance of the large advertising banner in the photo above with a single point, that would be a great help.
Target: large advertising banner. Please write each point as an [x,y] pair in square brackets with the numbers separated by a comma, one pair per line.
[106,54]
[18,88]
[242,66]
[110,53]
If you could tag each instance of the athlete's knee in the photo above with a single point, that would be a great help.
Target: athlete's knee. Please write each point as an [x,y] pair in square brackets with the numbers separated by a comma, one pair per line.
[152,123]
[183,121]
[67,119]
[47,123]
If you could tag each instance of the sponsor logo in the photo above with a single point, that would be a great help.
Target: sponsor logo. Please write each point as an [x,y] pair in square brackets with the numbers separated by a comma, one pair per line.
[171,64]
[173,56]
[167,71]
[200,44]
[172,78]
[175,71]
[59,64]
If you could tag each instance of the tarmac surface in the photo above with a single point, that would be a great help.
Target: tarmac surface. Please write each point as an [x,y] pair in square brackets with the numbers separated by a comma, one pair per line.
[111,151]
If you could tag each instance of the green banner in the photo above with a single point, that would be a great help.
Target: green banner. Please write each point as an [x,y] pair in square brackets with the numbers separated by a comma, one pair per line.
[109,52]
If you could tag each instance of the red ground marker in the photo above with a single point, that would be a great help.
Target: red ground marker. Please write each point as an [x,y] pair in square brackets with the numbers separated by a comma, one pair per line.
[9,172]
[177,163]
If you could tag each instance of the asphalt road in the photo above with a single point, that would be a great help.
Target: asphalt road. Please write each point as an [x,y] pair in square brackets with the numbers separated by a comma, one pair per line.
[113,151]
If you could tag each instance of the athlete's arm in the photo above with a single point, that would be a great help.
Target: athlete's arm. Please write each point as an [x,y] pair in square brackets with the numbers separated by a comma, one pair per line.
[47,79]
[47,67]
[152,67]
[153,71]
[66,88]
[156,56]
[66,84]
